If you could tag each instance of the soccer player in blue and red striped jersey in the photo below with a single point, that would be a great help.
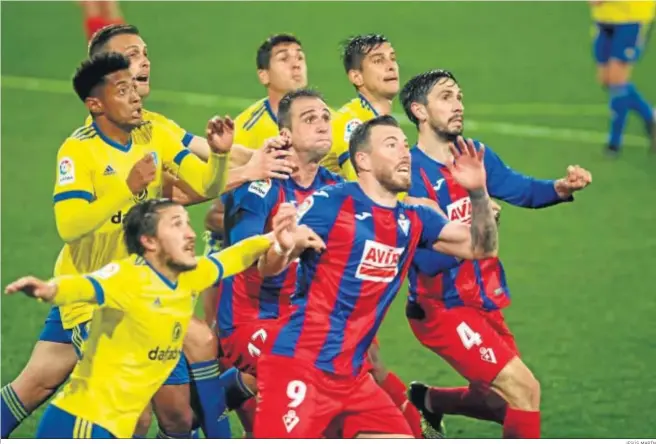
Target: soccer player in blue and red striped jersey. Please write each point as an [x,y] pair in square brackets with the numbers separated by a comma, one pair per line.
[249,304]
[457,313]
[312,375]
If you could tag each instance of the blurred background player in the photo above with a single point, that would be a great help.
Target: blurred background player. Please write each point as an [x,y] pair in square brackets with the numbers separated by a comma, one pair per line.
[92,195]
[371,67]
[98,14]
[457,313]
[622,30]
[312,375]
[145,303]
[250,305]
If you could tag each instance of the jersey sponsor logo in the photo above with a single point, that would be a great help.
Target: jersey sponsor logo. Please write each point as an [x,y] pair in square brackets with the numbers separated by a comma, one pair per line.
[351,125]
[107,271]
[460,210]
[117,218]
[260,187]
[66,171]
[379,262]
[304,207]
[164,354]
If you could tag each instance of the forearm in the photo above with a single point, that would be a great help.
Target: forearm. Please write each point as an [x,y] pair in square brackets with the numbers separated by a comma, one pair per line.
[75,218]
[484,233]
[275,262]
[76,288]
[236,177]
[240,156]
[208,179]
[243,254]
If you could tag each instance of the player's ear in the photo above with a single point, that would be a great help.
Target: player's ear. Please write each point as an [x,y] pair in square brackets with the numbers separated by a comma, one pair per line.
[286,132]
[419,111]
[94,105]
[356,78]
[149,242]
[263,76]
[363,161]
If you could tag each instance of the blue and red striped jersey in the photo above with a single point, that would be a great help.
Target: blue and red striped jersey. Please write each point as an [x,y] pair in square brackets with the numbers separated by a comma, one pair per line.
[481,283]
[249,209]
[343,293]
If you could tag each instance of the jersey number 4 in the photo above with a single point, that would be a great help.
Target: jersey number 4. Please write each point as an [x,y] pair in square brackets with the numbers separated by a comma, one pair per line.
[468,336]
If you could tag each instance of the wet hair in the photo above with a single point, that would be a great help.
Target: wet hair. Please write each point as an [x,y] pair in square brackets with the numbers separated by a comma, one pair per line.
[356,49]
[416,90]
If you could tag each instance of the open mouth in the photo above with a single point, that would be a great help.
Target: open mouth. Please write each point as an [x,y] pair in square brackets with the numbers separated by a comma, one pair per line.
[391,79]
[191,248]
[143,78]
[403,168]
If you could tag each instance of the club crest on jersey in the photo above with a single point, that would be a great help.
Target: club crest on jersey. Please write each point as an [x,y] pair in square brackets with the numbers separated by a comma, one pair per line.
[304,207]
[404,223]
[260,187]
[379,263]
[107,271]
[460,210]
[177,331]
[66,172]
[351,125]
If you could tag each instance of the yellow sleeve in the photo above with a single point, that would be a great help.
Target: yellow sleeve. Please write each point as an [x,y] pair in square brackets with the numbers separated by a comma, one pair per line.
[207,179]
[183,136]
[77,211]
[233,260]
[101,287]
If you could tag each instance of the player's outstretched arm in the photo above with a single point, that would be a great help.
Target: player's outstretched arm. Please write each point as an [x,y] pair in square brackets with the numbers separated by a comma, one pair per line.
[242,255]
[60,291]
[290,242]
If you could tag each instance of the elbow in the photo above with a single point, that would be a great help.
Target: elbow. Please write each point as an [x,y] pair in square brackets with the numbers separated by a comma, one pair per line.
[482,253]
[66,233]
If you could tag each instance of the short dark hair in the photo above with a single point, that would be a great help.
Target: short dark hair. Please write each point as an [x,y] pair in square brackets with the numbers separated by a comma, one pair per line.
[263,59]
[92,72]
[359,140]
[356,49]
[142,220]
[285,105]
[418,88]
[104,35]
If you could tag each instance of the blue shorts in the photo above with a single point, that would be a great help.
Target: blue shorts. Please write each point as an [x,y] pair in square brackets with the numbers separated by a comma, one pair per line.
[180,374]
[57,423]
[53,330]
[624,41]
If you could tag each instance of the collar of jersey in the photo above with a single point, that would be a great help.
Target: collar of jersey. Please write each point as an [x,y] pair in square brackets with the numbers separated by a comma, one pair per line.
[267,105]
[171,285]
[110,142]
[366,104]
[370,200]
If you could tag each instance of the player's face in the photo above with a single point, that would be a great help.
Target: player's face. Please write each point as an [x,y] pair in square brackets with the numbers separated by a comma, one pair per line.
[176,239]
[444,109]
[120,102]
[287,69]
[134,48]
[311,131]
[380,72]
[390,158]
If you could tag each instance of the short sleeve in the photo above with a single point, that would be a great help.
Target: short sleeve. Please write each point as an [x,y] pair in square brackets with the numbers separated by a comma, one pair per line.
[74,173]
[432,225]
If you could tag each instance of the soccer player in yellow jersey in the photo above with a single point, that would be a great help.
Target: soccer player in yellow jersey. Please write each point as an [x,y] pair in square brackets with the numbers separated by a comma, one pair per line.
[145,303]
[622,29]
[281,68]
[371,66]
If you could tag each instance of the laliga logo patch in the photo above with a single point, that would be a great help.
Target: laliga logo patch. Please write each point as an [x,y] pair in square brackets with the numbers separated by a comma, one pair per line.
[260,187]
[351,125]
[66,171]
[404,223]
[107,271]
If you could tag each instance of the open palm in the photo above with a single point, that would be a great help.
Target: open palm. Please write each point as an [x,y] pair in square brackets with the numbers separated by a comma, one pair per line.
[467,167]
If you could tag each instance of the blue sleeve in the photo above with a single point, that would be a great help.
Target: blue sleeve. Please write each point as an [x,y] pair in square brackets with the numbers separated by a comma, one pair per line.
[432,263]
[517,189]
[250,208]
[432,223]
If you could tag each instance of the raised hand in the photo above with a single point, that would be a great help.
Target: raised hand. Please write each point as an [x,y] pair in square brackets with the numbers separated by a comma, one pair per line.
[142,173]
[467,167]
[576,179]
[306,238]
[220,134]
[273,160]
[284,226]
[33,287]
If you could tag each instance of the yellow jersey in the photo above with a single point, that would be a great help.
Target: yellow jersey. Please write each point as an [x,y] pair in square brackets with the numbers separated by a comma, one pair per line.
[135,337]
[91,195]
[348,117]
[255,125]
[624,11]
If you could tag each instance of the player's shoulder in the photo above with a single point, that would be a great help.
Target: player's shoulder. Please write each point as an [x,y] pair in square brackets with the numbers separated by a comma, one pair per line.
[85,132]
[116,271]
[247,118]
[79,143]
[329,177]
[262,189]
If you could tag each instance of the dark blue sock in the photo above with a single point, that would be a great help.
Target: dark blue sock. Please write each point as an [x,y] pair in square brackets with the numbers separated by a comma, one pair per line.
[619,107]
[639,104]
[12,413]
[211,395]
[236,391]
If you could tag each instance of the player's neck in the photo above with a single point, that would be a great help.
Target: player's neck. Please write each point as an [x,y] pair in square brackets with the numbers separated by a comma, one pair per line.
[376,191]
[434,146]
[381,105]
[113,131]
[306,172]
[162,268]
[274,98]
